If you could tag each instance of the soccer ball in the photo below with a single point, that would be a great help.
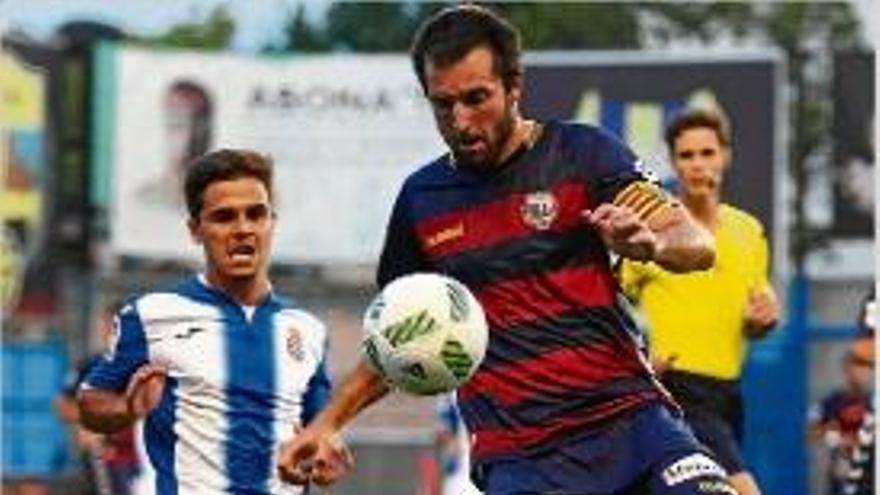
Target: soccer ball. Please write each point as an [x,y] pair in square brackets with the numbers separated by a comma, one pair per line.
[425,333]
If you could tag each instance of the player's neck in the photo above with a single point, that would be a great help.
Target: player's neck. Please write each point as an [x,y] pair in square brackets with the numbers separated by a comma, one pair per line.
[704,208]
[524,135]
[248,291]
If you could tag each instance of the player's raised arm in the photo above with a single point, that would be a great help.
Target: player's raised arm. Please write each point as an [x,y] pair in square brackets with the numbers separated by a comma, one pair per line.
[645,224]
[317,453]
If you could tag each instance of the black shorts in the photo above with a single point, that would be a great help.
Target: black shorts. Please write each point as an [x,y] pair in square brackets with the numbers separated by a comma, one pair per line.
[714,410]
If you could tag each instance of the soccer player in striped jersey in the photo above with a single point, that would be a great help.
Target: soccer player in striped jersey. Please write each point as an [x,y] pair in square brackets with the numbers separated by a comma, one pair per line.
[525,214]
[221,367]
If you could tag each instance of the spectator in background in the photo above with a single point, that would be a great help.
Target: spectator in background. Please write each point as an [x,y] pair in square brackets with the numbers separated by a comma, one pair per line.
[110,462]
[700,322]
[843,421]
[836,420]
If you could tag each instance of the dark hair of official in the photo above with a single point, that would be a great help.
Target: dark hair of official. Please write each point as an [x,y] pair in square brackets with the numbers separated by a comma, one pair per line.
[698,119]
[223,165]
[450,34]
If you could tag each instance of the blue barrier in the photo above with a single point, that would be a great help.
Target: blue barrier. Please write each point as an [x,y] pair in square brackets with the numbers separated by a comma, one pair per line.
[34,439]
[775,389]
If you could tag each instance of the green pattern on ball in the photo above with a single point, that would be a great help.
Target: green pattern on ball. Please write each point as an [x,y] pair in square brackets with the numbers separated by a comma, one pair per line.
[456,359]
[458,303]
[405,331]
[373,355]
[415,371]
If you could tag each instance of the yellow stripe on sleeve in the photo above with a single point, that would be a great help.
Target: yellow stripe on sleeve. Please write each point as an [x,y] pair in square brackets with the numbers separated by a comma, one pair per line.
[651,203]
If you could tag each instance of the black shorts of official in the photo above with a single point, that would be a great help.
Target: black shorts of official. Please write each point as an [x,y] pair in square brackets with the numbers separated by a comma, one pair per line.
[714,410]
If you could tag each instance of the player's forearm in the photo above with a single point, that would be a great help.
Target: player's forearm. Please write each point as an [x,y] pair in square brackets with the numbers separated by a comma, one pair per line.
[684,245]
[679,244]
[104,412]
[363,387]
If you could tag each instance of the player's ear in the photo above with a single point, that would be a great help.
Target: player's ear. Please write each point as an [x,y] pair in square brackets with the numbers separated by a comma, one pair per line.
[514,87]
[193,224]
[727,152]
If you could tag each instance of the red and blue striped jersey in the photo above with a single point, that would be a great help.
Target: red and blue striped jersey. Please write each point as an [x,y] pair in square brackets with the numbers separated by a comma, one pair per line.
[564,356]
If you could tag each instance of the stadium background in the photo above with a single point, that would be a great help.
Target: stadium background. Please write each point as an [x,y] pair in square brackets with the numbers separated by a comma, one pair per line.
[797,81]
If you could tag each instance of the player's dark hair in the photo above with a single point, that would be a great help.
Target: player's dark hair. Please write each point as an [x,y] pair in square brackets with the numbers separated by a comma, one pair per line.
[449,35]
[698,118]
[223,165]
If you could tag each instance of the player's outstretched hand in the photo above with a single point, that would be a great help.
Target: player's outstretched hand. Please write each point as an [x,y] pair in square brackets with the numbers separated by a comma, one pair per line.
[145,389]
[315,454]
[623,231]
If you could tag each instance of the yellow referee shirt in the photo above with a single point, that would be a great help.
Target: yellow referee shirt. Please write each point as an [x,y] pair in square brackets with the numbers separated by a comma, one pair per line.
[699,316]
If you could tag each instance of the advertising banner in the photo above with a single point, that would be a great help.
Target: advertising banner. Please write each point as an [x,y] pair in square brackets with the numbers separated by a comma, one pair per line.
[343,131]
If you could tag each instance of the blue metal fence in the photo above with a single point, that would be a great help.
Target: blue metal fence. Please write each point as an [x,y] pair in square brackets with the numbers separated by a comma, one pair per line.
[34,440]
[775,382]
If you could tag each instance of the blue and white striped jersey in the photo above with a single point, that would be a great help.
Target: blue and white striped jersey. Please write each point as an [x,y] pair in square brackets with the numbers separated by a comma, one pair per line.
[238,382]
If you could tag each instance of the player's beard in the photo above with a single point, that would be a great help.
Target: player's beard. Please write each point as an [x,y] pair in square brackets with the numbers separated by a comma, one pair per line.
[493,142]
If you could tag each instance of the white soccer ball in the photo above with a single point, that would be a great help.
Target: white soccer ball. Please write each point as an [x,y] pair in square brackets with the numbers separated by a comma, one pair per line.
[425,333]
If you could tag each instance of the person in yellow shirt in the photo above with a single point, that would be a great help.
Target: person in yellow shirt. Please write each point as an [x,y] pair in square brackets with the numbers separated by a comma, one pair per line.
[700,323]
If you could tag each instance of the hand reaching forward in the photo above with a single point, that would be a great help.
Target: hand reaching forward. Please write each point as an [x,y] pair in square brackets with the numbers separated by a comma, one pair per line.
[314,454]
[145,389]
[623,231]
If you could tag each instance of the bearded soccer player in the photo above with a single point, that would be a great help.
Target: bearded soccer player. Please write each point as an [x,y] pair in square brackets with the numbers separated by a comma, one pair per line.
[220,367]
[525,213]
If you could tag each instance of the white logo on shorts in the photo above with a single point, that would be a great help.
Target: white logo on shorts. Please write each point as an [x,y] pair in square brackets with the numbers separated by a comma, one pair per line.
[690,467]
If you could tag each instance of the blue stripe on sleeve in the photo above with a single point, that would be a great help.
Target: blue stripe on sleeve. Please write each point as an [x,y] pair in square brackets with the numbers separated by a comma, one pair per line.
[129,353]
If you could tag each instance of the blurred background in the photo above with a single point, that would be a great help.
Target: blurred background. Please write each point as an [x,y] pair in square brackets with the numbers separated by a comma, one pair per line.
[102,102]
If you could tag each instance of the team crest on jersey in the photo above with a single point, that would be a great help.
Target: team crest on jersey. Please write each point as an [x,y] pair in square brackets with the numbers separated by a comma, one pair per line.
[295,344]
[539,210]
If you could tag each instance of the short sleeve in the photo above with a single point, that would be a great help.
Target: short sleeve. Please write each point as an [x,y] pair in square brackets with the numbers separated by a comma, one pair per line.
[75,377]
[612,166]
[127,353]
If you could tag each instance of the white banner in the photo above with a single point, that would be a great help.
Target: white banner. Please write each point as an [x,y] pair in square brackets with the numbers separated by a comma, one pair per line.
[344,131]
